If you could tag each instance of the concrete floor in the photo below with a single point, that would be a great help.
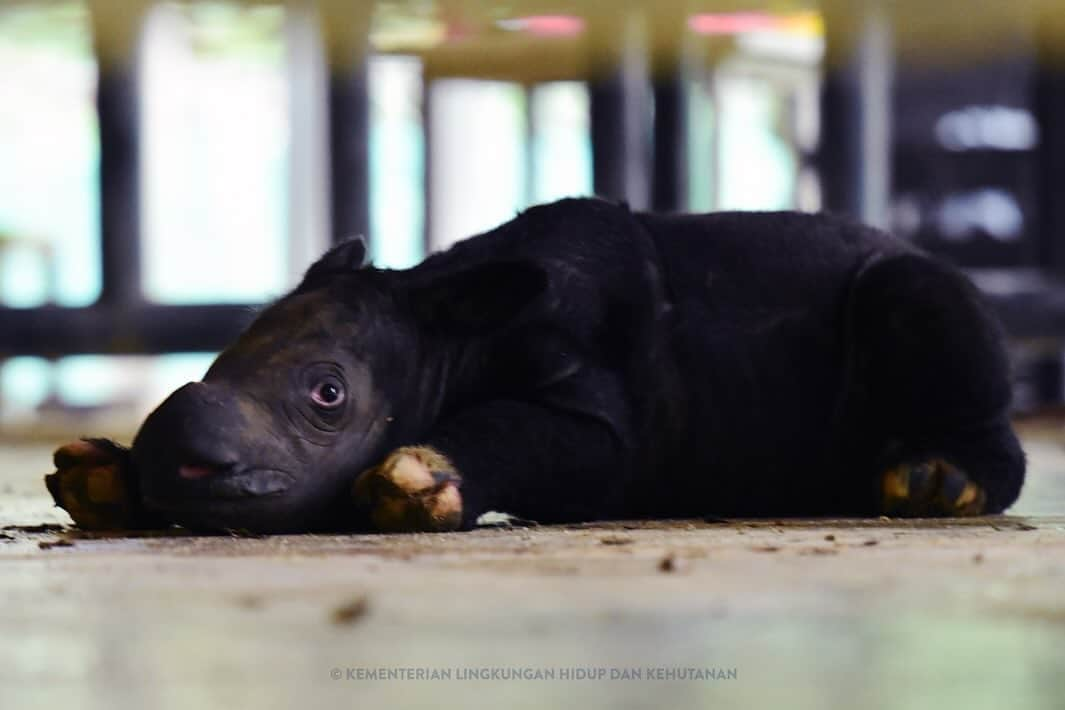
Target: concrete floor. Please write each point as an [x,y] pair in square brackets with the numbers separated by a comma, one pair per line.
[800,614]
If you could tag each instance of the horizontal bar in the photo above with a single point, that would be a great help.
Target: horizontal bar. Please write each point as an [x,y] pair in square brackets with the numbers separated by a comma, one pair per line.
[52,331]
[1030,304]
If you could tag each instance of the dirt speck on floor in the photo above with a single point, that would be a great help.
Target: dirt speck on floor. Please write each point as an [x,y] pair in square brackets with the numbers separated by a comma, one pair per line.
[616,540]
[49,544]
[351,611]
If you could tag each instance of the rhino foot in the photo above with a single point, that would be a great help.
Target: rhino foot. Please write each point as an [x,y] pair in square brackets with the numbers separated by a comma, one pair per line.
[415,489]
[92,483]
[930,488]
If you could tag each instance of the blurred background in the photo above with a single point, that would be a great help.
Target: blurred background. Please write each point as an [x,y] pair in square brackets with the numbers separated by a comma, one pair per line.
[166,167]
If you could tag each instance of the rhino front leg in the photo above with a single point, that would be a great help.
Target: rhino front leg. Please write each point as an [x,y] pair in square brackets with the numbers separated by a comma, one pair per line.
[415,489]
[95,483]
[520,458]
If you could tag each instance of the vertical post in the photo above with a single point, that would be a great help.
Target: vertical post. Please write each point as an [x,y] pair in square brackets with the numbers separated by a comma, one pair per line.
[620,106]
[116,36]
[427,162]
[531,162]
[1049,106]
[345,30]
[308,180]
[670,187]
[854,154]
[713,154]
[670,76]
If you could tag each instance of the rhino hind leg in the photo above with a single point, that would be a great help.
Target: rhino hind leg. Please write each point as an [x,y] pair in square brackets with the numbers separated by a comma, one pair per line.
[931,390]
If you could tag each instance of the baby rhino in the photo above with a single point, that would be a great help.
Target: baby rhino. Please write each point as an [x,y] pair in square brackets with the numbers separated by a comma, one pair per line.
[584,362]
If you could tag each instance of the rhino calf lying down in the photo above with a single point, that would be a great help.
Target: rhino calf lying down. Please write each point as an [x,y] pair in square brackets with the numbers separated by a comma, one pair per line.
[584,362]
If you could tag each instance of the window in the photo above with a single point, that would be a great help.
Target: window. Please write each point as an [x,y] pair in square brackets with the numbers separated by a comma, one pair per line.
[215,150]
[49,156]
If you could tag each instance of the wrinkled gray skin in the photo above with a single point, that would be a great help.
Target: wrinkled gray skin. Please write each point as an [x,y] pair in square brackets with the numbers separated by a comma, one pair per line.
[249,446]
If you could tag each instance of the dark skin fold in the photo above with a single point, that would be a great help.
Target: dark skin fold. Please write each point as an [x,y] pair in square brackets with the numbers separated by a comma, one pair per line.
[583,362]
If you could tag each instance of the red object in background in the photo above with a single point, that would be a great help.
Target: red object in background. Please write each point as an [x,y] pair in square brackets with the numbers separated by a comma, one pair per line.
[732,23]
[545,25]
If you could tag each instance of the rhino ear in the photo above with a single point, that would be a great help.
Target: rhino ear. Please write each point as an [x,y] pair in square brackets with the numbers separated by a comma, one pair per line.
[348,255]
[480,298]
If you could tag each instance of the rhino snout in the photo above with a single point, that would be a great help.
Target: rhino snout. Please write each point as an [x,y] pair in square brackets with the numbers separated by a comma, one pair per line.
[194,446]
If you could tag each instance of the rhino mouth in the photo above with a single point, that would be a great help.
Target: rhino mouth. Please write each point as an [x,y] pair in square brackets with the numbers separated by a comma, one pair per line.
[195,472]
[232,482]
[250,483]
[260,500]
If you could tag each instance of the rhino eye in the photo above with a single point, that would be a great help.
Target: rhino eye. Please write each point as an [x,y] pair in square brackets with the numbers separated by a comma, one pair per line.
[328,394]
